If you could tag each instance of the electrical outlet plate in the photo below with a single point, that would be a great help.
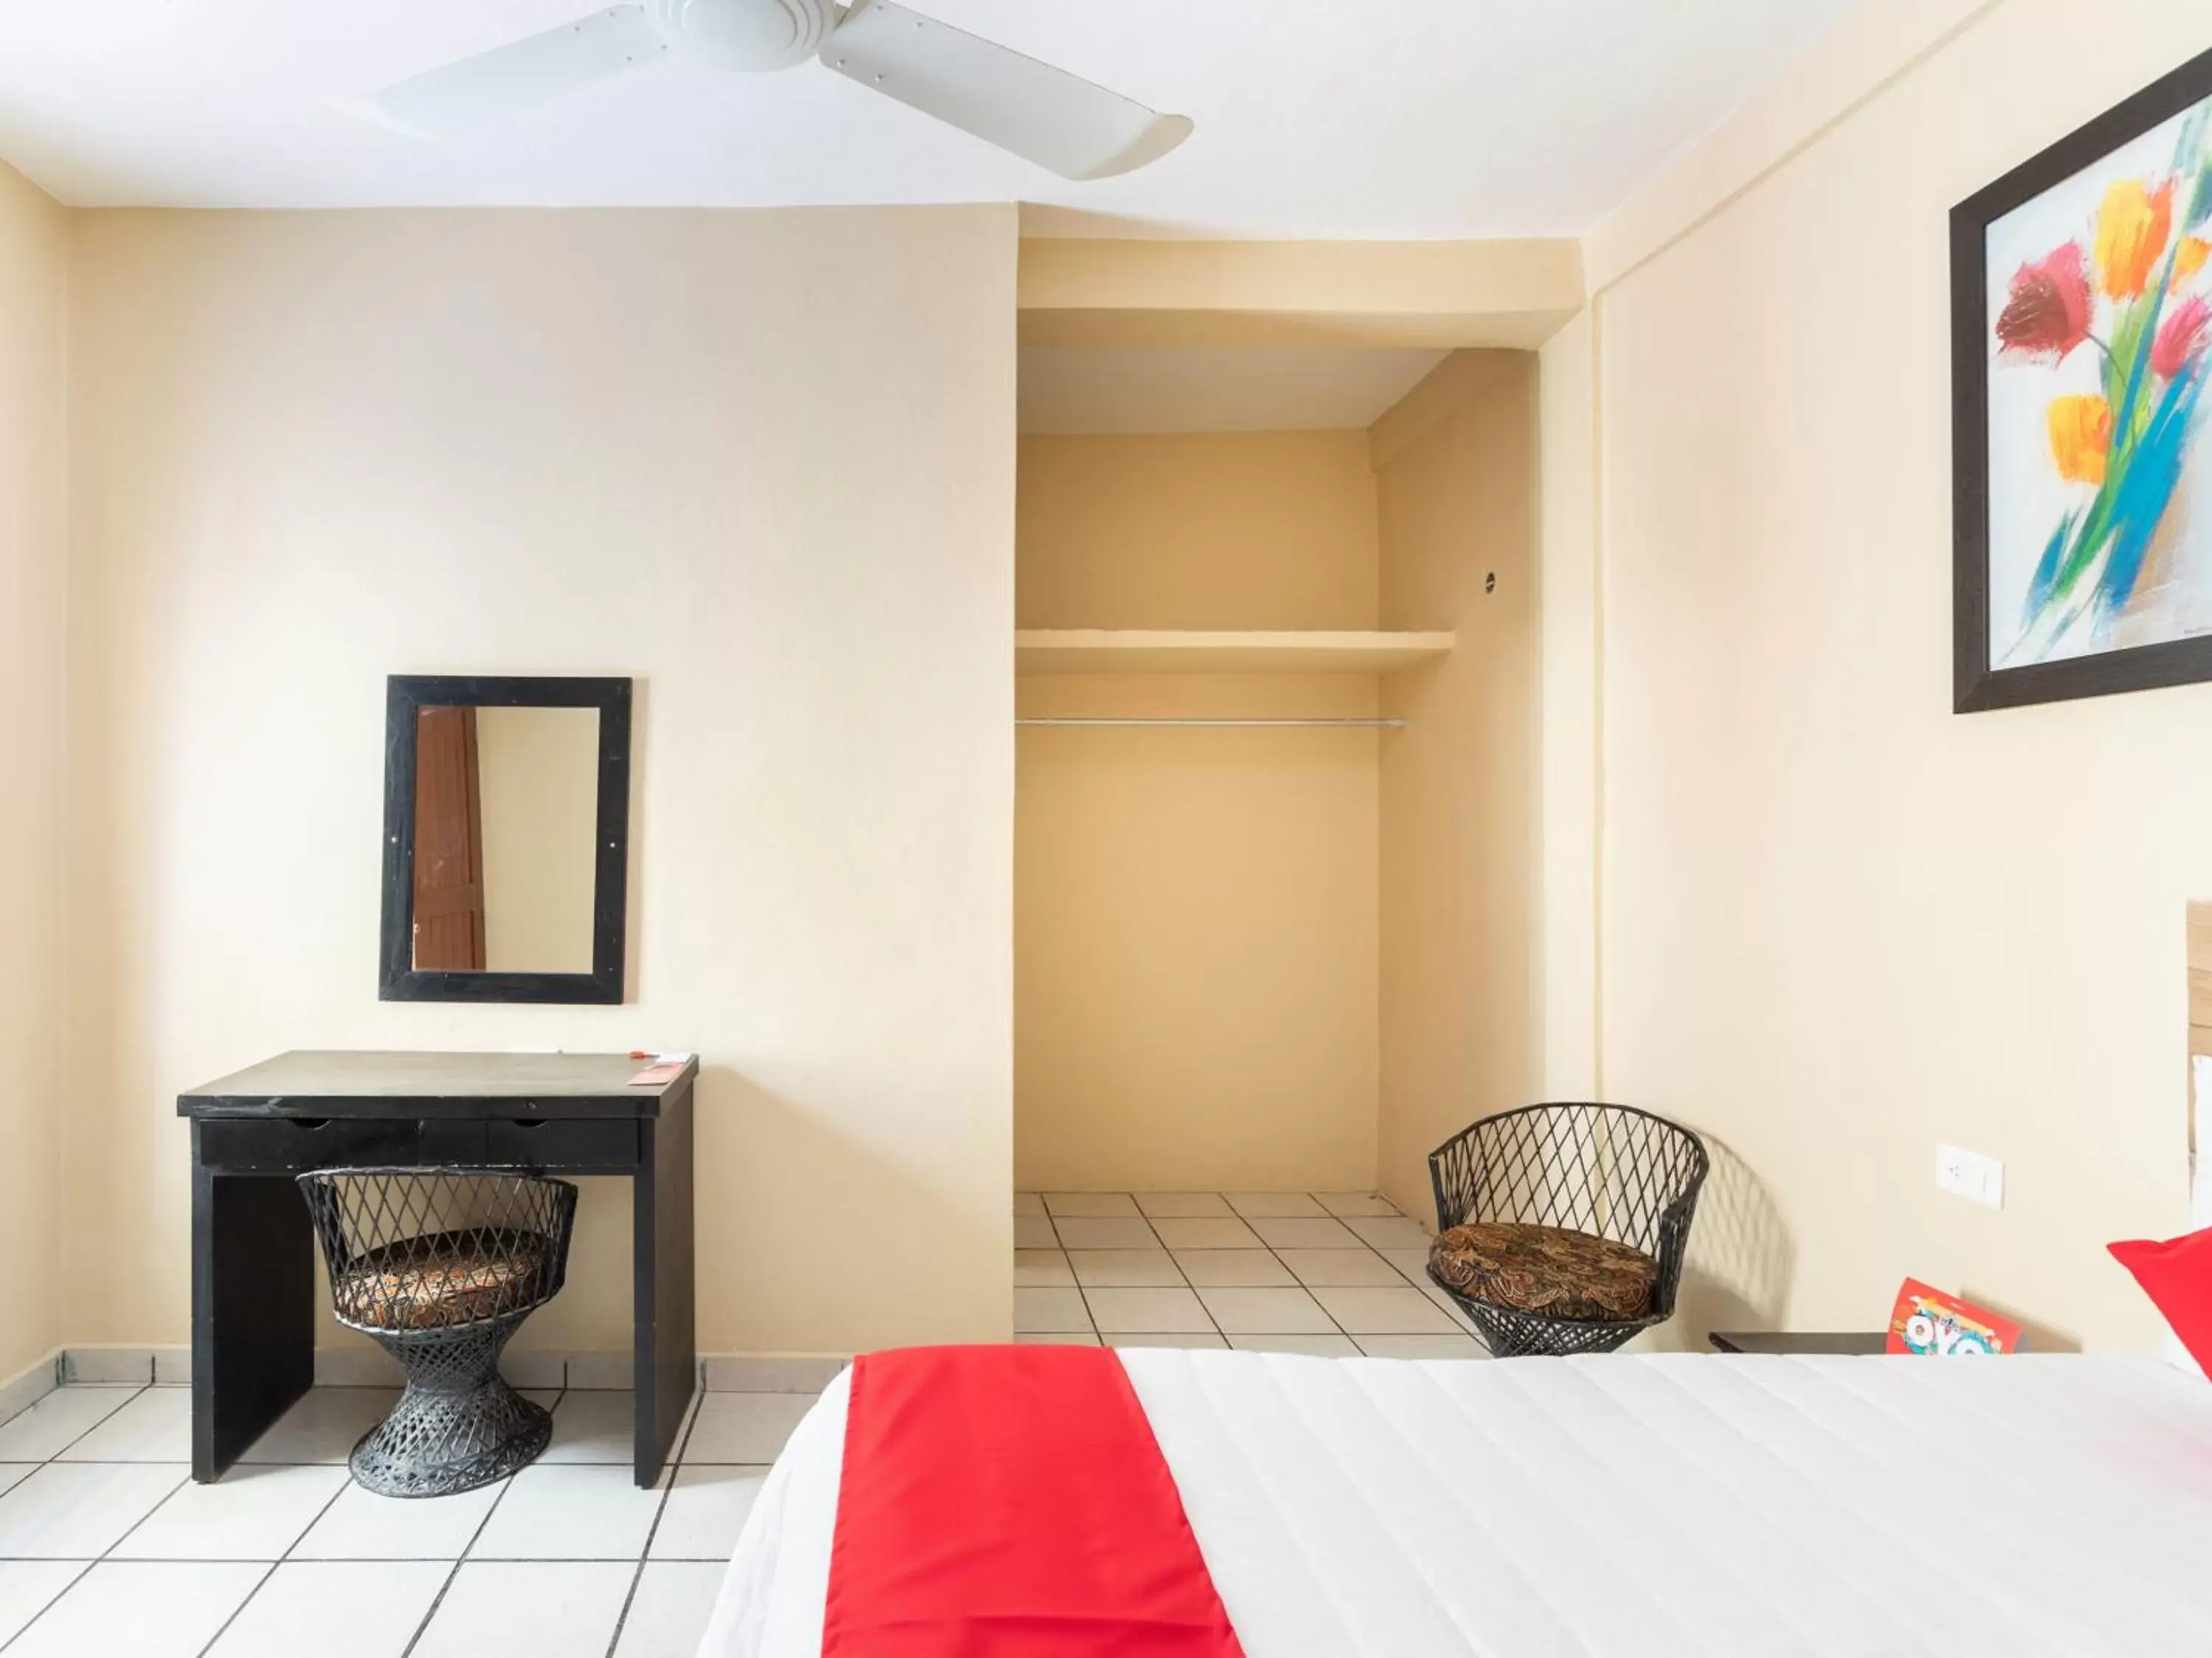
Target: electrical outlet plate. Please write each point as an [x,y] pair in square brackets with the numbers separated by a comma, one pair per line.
[1969,1176]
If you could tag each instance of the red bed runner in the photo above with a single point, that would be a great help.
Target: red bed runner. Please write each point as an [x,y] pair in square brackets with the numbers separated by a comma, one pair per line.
[1011,1502]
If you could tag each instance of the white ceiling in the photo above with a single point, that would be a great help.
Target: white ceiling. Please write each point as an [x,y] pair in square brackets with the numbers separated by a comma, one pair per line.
[1385,119]
[1081,388]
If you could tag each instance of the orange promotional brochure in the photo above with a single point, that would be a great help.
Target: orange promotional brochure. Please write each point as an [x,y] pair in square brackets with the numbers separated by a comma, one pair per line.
[1926,1320]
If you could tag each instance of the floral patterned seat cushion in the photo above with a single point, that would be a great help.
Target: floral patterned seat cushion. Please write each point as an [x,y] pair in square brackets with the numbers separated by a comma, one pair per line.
[1545,1269]
[441,1280]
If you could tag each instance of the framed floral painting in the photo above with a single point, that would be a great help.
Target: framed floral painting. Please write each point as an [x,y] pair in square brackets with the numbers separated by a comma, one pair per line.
[2081,317]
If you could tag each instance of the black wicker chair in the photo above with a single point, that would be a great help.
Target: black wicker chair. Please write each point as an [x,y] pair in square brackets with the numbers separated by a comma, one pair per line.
[441,1266]
[1607,1190]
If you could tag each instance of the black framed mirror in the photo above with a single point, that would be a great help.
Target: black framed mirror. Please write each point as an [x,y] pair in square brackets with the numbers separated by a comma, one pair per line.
[506,839]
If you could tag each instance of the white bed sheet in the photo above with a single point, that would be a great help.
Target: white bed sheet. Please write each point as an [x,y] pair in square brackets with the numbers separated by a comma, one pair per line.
[1633,1507]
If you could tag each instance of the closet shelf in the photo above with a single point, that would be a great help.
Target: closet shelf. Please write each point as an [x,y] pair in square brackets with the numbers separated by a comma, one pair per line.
[1102,650]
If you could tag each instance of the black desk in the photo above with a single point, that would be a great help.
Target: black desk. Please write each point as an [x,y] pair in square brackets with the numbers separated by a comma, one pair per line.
[253,1271]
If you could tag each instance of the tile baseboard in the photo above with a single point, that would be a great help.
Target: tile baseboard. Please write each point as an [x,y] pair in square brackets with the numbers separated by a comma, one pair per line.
[21,1392]
[770,1373]
[130,1366]
[368,1367]
[359,1366]
[591,1372]
[538,1370]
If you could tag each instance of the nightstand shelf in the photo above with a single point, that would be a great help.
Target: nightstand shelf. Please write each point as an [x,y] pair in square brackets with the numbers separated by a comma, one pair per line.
[1851,1343]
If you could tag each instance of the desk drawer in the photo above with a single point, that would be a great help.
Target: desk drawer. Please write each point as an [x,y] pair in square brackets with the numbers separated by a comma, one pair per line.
[278,1144]
[568,1142]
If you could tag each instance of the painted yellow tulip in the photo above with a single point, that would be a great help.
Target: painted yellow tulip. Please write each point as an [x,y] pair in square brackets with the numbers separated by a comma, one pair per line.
[2080,437]
[2131,231]
[2188,259]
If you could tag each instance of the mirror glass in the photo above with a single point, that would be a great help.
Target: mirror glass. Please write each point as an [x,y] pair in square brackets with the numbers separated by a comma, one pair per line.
[506,812]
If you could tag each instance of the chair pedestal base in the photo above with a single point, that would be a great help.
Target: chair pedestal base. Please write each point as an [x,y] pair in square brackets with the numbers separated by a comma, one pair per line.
[458,1425]
[1511,1335]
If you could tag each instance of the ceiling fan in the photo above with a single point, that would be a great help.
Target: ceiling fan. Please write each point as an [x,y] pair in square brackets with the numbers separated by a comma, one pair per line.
[1044,114]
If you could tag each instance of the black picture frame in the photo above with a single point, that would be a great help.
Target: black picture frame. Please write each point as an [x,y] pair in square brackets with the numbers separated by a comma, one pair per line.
[405,696]
[1976,685]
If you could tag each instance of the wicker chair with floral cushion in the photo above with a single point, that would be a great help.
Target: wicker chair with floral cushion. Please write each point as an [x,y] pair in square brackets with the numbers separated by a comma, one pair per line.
[441,1266]
[1560,1228]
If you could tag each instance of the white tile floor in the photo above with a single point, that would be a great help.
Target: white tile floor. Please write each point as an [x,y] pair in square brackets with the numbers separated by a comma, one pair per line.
[1326,1272]
[108,1550]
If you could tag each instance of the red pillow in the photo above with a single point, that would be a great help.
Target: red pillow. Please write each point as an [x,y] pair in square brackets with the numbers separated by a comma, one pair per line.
[2177,1275]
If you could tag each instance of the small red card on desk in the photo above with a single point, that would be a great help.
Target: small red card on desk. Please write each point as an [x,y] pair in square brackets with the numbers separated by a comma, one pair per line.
[1926,1320]
[665,1068]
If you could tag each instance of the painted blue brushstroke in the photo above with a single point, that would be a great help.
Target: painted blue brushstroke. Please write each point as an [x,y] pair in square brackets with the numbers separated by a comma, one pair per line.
[2193,146]
[2143,496]
[2046,567]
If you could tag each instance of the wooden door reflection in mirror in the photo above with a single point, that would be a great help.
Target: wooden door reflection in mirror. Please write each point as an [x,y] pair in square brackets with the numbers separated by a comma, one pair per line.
[449,894]
[506,839]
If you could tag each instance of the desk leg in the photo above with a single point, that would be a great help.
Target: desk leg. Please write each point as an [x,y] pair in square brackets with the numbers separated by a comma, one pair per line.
[253,1311]
[667,1359]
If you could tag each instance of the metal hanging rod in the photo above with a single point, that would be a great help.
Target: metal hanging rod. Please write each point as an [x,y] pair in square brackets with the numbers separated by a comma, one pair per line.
[1311,725]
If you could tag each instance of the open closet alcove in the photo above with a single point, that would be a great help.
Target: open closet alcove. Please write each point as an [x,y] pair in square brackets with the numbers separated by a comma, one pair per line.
[1276,790]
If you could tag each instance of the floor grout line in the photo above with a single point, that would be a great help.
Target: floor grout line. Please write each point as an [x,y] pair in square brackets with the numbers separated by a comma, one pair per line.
[475,1537]
[660,1511]
[320,1512]
[133,1392]
[105,1554]
[87,1387]
[1210,1320]
[122,1388]
[77,1578]
[127,1393]
[260,1584]
[81,1566]
[351,1559]
[161,1503]
[1399,1277]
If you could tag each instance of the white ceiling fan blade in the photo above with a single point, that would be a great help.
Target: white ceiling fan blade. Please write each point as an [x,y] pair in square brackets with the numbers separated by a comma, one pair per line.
[443,101]
[1046,115]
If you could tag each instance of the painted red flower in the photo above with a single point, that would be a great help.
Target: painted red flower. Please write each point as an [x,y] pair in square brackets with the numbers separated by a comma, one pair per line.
[2049,310]
[2182,340]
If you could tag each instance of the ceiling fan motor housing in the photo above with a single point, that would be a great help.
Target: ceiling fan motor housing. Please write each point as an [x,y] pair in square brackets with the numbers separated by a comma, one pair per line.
[748,34]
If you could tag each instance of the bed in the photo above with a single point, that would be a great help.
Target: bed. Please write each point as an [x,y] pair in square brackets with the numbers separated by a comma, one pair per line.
[1645,1505]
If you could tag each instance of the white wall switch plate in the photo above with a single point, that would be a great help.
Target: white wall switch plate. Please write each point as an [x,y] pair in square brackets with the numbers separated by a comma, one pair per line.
[1969,1176]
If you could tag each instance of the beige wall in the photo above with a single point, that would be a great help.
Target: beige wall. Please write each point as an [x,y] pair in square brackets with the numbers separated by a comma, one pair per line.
[43,1074]
[1091,291]
[1794,901]
[762,461]
[537,775]
[1839,924]
[1570,778]
[1196,530]
[1455,475]
[1195,929]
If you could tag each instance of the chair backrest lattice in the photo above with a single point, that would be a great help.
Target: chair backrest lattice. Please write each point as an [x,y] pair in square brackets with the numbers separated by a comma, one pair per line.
[432,1248]
[1613,1171]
